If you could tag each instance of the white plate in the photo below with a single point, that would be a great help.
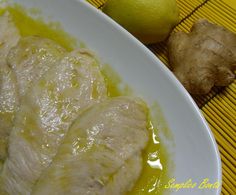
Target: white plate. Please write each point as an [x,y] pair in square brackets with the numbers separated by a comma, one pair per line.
[195,152]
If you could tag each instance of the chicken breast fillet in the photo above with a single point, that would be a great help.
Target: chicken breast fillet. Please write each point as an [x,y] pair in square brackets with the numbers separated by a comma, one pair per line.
[101,153]
[9,37]
[32,57]
[46,112]
[24,61]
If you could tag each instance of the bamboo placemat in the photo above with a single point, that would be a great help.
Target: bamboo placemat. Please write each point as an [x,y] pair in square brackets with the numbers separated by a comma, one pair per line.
[219,106]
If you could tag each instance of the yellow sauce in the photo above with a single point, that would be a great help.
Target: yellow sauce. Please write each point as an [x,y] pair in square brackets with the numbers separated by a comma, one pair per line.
[154,173]
[115,86]
[29,26]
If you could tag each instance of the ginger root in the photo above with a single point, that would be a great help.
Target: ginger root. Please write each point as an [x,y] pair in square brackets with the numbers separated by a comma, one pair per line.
[204,57]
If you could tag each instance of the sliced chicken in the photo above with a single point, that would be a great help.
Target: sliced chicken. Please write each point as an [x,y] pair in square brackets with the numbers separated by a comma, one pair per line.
[9,37]
[32,57]
[23,64]
[8,106]
[46,112]
[101,153]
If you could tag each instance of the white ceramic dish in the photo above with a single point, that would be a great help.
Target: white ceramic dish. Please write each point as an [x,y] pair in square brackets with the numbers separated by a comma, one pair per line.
[195,153]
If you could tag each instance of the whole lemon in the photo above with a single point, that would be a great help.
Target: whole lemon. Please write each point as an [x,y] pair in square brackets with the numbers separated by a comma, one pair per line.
[150,21]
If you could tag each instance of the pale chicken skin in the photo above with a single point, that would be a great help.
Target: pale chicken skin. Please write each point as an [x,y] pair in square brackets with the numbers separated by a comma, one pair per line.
[9,37]
[45,114]
[101,153]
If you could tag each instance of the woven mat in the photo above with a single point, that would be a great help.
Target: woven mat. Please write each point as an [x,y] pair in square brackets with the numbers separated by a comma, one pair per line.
[219,106]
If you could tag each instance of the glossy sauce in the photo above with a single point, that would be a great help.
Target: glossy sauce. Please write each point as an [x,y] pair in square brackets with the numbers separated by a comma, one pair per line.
[29,26]
[155,158]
